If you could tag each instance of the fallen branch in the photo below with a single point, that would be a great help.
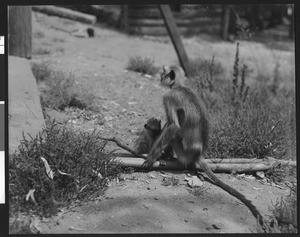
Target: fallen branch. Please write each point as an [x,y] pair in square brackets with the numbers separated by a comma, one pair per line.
[225,167]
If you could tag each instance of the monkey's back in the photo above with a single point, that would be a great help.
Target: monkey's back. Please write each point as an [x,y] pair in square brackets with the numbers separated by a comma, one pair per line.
[192,115]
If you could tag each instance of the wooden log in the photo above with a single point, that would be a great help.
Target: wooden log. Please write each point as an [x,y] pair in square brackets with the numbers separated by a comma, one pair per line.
[225,166]
[179,22]
[20,31]
[66,13]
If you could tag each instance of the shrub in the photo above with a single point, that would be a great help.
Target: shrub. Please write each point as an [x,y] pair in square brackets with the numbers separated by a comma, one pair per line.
[80,164]
[138,64]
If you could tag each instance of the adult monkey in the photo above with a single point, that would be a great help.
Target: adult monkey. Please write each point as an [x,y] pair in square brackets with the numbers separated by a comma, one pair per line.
[187,131]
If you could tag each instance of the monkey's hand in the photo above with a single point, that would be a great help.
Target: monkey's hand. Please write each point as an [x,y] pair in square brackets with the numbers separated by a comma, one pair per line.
[148,163]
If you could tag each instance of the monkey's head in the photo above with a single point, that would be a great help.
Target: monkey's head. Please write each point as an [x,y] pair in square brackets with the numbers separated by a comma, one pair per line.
[171,75]
[153,125]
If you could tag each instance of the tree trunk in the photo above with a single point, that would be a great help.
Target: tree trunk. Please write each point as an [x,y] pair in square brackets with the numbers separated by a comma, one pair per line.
[20,31]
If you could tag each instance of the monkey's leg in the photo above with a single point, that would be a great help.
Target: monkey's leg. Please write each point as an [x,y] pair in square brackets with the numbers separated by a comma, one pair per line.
[168,134]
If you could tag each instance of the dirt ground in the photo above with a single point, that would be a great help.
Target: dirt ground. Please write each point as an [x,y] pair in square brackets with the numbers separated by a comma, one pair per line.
[141,203]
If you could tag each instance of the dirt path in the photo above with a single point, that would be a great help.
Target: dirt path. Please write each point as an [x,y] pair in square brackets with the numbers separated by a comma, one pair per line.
[141,203]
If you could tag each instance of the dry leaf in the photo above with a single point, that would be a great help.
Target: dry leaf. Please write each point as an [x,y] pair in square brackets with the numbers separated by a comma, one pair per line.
[30,194]
[48,169]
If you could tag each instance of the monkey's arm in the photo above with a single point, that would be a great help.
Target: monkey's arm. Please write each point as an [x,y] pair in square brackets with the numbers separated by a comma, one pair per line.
[169,133]
[171,108]
[125,147]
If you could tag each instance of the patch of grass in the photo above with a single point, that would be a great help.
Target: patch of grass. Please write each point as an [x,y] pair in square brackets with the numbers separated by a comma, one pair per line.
[81,167]
[62,91]
[143,65]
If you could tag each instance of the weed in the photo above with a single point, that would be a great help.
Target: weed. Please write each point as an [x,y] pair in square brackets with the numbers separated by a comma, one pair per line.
[275,85]
[78,160]
[145,66]
[239,90]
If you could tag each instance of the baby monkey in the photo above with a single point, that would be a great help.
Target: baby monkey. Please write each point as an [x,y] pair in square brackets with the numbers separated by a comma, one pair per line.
[150,132]
[187,131]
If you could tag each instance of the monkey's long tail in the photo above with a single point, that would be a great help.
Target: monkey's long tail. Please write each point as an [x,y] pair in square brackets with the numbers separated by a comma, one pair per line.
[233,192]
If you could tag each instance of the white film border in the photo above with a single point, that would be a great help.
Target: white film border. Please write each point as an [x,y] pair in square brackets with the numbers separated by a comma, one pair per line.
[1,44]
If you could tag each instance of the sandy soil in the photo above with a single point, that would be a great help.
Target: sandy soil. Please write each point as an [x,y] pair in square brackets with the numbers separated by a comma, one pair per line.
[141,203]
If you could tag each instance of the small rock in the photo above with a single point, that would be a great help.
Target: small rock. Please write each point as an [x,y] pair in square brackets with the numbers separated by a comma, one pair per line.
[260,174]
[122,177]
[194,182]
[217,226]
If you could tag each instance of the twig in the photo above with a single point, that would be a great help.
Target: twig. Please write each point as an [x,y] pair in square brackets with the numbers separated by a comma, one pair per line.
[122,145]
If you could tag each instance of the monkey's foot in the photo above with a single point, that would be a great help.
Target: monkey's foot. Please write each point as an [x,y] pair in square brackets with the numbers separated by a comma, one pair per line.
[200,176]
[148,163]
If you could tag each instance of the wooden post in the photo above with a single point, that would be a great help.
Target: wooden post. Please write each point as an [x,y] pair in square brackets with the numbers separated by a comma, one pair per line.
[124,20]
[175,37]
[20,31]
[225,21]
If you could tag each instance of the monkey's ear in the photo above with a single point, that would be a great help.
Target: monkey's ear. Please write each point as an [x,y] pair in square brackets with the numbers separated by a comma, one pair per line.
[172,75]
